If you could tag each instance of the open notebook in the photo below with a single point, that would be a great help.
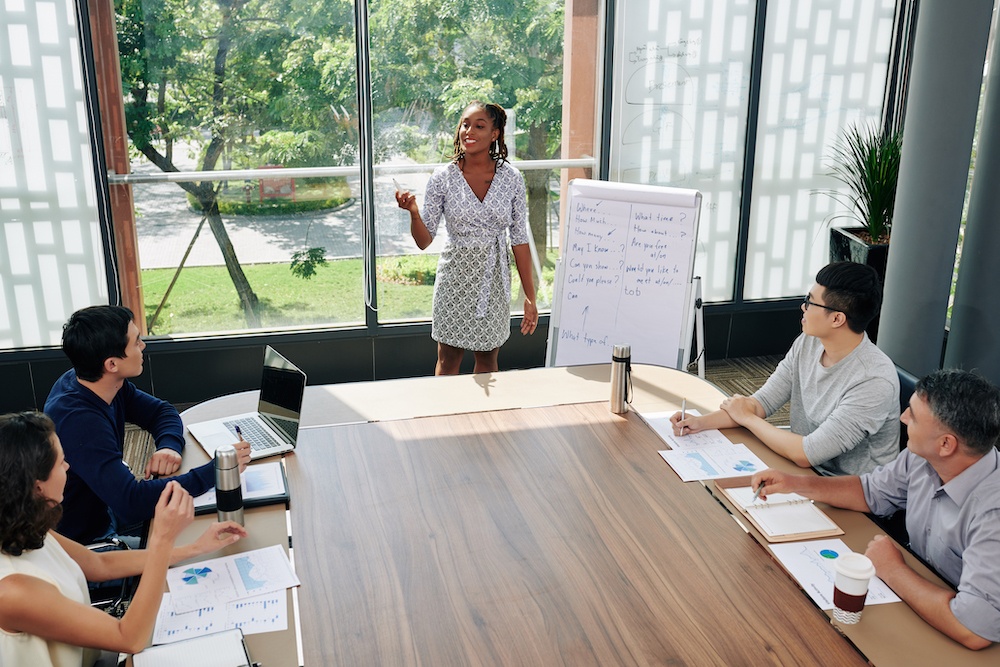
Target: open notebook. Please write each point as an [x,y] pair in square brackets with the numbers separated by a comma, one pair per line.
[783,517]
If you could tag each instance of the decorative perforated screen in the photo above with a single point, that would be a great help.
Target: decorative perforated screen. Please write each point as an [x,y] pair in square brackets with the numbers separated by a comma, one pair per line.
[51,254]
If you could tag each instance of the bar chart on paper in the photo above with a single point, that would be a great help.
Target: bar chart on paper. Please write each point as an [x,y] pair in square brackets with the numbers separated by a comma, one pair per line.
[253,615]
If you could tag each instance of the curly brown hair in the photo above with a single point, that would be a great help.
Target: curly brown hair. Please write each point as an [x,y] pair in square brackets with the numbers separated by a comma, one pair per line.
[26,456]
[498,149]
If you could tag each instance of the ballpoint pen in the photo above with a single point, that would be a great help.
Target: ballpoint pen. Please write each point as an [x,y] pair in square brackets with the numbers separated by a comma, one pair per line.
[239,433]
[684,406]
[756,493]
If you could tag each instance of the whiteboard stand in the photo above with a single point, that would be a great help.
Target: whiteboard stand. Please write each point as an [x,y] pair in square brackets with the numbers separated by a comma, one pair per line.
[626,275]
[699,319]
[554,315]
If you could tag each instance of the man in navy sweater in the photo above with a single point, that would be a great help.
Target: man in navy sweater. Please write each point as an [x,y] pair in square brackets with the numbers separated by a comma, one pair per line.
[90,404]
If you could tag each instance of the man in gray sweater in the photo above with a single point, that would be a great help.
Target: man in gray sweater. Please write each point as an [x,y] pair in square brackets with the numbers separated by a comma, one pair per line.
[844,391]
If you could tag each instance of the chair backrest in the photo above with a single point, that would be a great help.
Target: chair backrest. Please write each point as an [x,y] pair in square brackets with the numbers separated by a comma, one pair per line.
[907,383]
[115,596]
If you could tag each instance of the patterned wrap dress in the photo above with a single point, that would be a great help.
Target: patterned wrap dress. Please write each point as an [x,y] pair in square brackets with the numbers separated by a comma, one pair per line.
[472,290]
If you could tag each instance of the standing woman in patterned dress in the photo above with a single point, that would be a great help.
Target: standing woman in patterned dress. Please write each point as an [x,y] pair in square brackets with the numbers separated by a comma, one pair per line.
[482,198]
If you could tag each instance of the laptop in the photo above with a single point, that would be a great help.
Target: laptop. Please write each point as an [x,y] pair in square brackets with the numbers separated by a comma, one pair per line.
[274,428]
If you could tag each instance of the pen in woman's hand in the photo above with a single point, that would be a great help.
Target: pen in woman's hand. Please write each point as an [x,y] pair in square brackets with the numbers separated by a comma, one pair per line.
[239,433]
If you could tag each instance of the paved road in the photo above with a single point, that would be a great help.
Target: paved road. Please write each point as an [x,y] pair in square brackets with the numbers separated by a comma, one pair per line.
[165,226]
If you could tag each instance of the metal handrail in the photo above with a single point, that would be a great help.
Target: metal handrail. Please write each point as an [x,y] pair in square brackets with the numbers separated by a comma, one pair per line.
[324,172]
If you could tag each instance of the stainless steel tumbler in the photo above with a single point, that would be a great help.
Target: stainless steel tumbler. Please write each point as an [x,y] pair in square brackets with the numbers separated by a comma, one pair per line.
[621,368]
[228,492]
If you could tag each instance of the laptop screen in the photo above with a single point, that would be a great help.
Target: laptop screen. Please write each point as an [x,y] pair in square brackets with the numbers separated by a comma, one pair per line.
[281,388]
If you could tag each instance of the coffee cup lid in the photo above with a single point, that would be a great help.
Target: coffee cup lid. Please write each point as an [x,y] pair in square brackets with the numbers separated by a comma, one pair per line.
[856,566]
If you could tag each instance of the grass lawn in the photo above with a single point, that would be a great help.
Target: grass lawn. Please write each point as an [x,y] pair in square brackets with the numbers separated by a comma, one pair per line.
[204,299]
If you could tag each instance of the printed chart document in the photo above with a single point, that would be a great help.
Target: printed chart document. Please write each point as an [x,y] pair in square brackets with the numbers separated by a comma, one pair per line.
[713,461]
[812,565]
[703,455]
[253,615]
[660,423]
[221,580]
[783,517]
[221,649]
[262,484]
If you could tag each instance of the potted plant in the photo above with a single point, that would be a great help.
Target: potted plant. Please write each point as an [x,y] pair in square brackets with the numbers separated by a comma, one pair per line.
[866,160]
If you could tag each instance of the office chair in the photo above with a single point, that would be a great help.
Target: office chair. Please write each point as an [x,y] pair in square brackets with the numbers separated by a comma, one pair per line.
[895,525]
[112,597]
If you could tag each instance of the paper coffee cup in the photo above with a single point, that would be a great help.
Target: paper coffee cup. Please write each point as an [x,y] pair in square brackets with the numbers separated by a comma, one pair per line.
[850,587]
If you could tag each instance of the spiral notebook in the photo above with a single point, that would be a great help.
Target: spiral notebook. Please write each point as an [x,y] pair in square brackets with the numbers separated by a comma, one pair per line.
[783,517]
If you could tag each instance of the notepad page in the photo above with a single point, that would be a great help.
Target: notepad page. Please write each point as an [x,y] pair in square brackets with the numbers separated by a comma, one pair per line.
[790,518]
[660,423]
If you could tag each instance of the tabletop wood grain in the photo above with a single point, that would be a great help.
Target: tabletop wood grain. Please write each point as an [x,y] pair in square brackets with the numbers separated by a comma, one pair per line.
[543,536]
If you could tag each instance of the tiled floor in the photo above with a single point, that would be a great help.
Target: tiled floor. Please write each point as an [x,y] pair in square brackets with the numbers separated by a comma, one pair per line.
[744,376]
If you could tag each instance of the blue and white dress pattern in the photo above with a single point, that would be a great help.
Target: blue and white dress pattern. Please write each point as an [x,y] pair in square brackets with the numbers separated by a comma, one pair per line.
[472,289]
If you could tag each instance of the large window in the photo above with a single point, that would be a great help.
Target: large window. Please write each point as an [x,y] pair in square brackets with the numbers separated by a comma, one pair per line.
[259,85]
[692,111]
[824,68]
[263,187]
[426,68]
[683,85]
[240,87]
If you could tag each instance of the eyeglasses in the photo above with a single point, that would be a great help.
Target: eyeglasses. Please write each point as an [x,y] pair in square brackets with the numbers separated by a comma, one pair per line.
[807,302]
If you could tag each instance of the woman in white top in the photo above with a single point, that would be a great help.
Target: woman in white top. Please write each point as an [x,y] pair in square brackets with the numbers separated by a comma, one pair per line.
[45,615]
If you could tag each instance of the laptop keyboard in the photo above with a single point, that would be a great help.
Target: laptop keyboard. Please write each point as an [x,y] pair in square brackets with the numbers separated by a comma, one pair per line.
[259,439]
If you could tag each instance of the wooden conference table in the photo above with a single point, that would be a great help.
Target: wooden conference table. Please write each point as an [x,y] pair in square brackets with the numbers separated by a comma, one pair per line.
[511,519]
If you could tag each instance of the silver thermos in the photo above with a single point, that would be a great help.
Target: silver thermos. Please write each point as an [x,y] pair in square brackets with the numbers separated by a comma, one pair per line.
[228,492]
[621,368]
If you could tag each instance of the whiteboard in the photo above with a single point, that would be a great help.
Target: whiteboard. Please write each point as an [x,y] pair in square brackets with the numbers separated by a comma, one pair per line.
[624,274]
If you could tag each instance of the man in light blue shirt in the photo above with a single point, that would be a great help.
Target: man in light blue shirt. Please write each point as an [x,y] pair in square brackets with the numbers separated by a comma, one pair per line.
[948,481]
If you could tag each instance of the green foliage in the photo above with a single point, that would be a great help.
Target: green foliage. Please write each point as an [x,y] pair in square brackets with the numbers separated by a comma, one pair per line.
[866,160]
[240,83]
[218,73]
[304,262]
[442,55]
[408,270]
[204,299]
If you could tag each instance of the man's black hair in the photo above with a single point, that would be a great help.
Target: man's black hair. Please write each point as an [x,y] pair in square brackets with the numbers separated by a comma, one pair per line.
[853,289]
[94,334]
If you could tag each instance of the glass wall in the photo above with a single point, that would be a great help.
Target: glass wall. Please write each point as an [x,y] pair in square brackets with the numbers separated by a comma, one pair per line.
[505,51]
[217,86]
[264,86]
[688,113]
[246,136]
[683,82]
[51,249]
[824,68]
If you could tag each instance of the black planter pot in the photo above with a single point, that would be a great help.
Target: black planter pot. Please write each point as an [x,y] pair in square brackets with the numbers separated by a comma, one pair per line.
[845,246]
